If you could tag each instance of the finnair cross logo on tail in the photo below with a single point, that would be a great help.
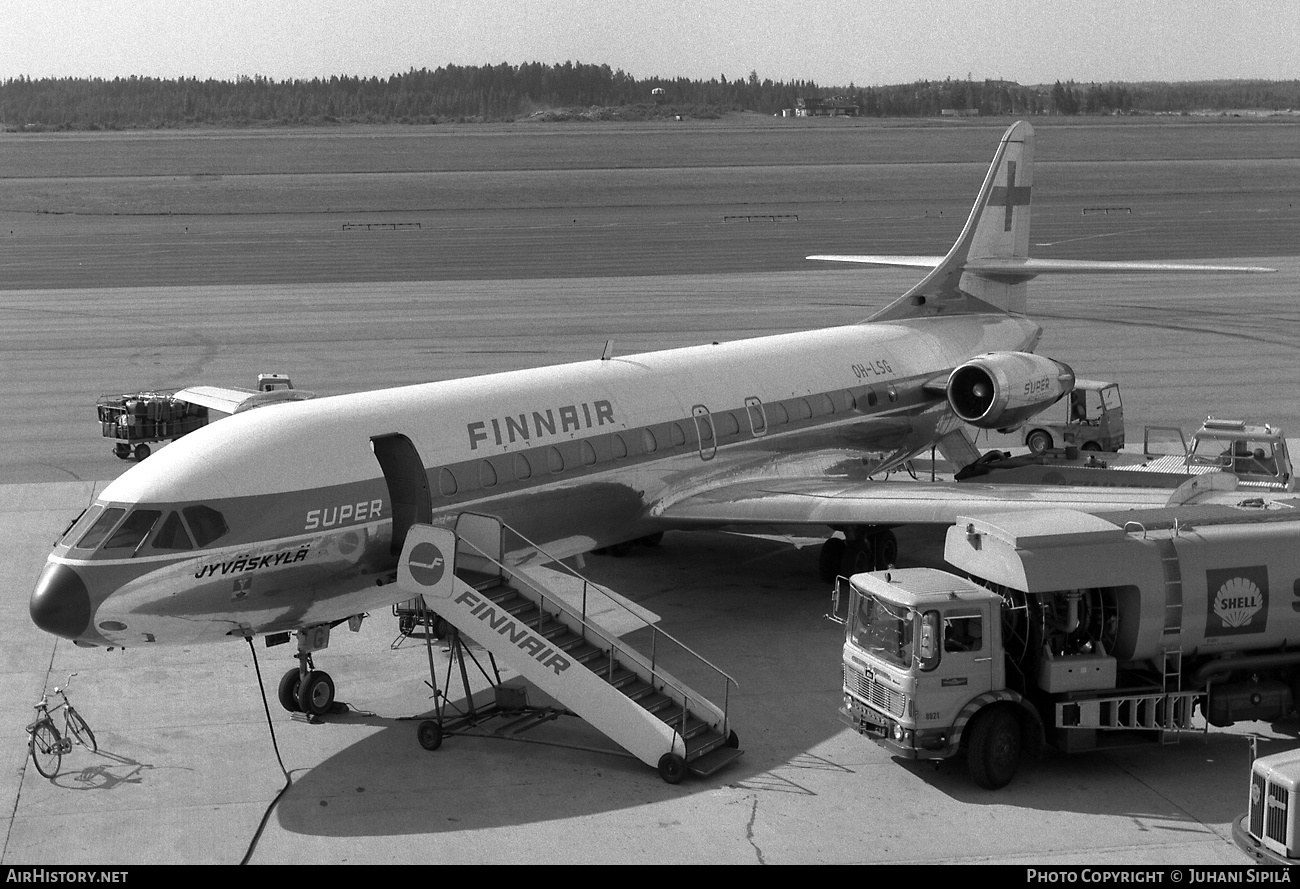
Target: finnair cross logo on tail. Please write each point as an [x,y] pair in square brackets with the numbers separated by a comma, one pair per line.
[1009,195]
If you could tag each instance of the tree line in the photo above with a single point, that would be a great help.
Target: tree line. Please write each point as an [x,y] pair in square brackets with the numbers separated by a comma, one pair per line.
[512,92]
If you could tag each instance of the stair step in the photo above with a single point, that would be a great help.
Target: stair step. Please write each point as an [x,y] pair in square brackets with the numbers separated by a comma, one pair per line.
[706,765]
[704,742]
[658,702]
[620,677]
[638,689]
[693,726]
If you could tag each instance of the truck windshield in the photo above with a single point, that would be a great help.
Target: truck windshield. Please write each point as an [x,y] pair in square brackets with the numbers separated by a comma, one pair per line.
[1242,456]
[883,629]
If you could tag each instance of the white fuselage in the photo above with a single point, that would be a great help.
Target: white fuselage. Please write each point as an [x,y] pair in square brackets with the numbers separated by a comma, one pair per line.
[284,516]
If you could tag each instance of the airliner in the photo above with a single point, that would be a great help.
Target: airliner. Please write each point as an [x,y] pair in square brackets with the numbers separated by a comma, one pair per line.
[289,517]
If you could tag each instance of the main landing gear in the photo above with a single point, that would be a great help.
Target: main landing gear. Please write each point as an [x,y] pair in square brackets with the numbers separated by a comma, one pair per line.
[862,548]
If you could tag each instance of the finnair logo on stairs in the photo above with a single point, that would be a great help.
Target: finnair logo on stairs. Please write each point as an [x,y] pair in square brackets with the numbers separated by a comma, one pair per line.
[524,639]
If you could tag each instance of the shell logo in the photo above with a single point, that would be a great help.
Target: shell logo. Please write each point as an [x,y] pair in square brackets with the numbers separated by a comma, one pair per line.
[1237,601]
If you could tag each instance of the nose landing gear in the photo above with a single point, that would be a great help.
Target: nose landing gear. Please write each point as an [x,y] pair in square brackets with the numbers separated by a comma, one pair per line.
[304,689]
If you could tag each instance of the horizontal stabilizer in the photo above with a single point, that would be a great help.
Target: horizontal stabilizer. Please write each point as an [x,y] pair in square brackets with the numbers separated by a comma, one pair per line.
[905,262]
[1026,268]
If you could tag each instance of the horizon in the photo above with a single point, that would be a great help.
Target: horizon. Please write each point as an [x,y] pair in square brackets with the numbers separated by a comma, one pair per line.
[828,42]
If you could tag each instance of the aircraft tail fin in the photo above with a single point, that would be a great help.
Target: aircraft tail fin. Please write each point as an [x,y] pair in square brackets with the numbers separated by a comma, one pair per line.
[989,267]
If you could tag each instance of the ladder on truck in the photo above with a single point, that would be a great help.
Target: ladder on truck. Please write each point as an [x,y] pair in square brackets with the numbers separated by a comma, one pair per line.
[555,646]
[1157,711]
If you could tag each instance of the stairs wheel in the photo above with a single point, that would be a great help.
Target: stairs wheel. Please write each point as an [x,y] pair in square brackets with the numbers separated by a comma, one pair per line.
[672,768]
[429,734]
[733,741]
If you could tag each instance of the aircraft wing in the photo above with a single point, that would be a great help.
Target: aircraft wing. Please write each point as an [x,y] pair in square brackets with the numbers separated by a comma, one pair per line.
[826,501]
[232,400]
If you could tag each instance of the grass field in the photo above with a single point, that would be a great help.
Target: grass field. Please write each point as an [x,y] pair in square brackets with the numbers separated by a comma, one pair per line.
[546,200]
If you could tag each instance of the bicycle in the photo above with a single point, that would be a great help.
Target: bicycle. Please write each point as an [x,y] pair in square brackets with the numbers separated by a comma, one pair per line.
[46,745]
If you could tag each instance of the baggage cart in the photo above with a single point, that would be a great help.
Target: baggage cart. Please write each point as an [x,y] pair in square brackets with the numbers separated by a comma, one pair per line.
[133,421]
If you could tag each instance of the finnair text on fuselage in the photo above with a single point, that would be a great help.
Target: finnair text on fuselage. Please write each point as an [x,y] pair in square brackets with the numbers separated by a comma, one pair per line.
[528,425]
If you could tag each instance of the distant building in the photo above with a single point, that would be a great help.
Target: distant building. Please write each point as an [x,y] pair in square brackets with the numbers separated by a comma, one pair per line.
[839,106]
[959,112]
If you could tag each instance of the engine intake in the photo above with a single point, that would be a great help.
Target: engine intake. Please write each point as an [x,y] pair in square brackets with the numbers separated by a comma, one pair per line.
[1001,390]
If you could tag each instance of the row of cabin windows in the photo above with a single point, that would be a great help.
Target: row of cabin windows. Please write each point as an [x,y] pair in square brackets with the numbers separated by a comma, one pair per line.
[757,419]
[200,526]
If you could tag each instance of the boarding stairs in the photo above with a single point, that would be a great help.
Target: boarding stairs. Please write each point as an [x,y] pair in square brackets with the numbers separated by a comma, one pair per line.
[556,646]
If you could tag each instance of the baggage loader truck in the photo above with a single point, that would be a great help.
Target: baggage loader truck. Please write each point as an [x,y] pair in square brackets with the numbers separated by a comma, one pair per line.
[1076,630]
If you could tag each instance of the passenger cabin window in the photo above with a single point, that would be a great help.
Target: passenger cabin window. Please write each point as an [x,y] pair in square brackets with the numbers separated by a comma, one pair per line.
[132,532]
[523,469]
[99,530]
[447,482]
[205,523]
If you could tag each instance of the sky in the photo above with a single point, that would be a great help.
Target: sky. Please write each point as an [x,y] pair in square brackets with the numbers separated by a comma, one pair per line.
[831,42]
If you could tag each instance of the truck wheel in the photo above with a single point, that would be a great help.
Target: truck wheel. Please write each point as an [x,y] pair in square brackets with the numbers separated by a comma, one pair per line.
[886,546]
[830,558]
[1038,441]
[994,752]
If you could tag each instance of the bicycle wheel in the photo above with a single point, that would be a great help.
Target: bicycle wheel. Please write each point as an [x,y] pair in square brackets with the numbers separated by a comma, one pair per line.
[46,748]
[81,731]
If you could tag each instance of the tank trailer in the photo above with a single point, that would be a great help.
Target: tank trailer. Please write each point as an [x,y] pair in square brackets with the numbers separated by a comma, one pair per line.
[1077,630]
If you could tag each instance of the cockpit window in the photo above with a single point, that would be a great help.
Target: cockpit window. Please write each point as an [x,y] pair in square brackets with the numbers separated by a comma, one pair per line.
[136,527]
[78,526]
[98,531]
[172,535]
[206,523]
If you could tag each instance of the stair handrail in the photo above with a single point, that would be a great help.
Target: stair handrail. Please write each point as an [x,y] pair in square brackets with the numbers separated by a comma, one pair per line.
[614,642]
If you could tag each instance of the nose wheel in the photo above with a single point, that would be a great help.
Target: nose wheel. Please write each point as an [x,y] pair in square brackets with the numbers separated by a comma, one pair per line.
[312,693]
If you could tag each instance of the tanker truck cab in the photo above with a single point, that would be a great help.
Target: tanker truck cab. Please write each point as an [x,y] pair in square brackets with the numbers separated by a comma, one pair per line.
[923,668]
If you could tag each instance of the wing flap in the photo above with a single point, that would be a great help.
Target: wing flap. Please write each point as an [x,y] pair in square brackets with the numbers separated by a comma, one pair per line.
[825,501]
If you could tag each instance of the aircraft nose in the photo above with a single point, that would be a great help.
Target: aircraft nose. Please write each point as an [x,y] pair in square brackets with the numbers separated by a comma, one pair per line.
[60,604]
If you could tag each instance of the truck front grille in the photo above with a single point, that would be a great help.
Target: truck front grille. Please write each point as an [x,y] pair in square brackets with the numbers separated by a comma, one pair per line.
[882,697]
[1269,803]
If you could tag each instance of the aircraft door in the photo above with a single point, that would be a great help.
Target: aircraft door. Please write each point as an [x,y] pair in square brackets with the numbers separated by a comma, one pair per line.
[408,484]
[705,432]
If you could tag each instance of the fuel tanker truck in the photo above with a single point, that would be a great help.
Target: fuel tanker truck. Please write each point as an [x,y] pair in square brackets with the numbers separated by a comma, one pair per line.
[1077,630]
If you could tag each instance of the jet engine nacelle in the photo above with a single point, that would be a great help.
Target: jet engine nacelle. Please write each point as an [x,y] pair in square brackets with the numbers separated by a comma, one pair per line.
[1001,390]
